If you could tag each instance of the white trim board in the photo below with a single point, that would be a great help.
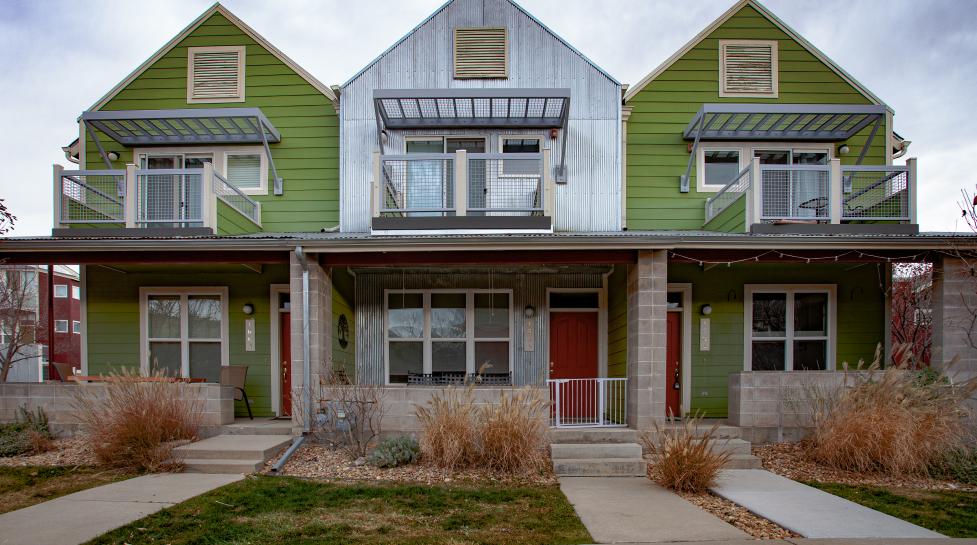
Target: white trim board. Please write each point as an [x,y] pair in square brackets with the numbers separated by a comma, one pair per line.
[276,368]
[831,339]
[217,8]
[793,34]
[685,288]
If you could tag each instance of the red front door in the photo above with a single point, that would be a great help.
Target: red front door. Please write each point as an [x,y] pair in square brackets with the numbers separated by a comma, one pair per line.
[285,356]
[673,358]
[573,355]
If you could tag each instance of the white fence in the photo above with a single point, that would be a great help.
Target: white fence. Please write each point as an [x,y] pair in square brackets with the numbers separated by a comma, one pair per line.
[588,402]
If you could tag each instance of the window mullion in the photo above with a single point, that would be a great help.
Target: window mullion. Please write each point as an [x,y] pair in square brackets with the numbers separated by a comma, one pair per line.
[470,332]
[184,335]
[789,332]
[427,350]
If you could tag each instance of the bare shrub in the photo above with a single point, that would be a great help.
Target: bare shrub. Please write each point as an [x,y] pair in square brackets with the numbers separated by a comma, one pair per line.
[450,437]
[350,415]
[137,422]
[683,461]
[896,420]
[513,431]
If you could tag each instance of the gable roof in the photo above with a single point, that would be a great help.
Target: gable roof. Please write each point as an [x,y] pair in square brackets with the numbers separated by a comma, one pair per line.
[793,34]
[445,6]
[217,8]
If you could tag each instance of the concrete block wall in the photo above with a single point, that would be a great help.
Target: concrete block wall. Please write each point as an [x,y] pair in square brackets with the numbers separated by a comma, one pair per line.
[647,293]
[320,331]
[58,400]
[401,404]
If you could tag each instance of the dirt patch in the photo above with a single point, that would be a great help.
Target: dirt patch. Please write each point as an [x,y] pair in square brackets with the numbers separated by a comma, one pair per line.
[75,451]
[318,461]
[787,459]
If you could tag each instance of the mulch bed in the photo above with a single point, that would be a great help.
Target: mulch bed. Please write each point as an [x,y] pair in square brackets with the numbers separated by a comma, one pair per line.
[787,459]
[317,461]
[74,451]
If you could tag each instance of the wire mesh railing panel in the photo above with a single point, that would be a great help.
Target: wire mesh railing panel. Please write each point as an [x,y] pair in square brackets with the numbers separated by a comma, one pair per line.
[236,199]
[875,193]
[794,192]
[93,196]
[169,197]
[726,196]
[588,402]
[417,185]
[508,184]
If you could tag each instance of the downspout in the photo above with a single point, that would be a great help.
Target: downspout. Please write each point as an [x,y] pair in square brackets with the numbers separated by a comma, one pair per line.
[306,368]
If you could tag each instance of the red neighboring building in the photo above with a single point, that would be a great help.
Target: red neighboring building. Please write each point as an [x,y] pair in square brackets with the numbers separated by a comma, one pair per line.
[67,316]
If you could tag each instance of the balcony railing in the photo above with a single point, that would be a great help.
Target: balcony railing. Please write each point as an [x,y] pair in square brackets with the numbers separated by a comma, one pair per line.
[820,193]
[462,184]
[146,197]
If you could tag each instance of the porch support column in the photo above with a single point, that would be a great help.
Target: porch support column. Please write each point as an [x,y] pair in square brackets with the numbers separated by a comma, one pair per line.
[647,290]
[955,315]
[320,333]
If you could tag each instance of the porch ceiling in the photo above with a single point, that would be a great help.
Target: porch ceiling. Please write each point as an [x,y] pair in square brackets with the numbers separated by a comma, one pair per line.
[472,108]
[184,126]
[797,122]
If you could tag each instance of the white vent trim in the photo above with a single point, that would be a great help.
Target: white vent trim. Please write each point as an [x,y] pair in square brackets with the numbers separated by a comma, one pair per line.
[748,68]
[481,53]
[215,74]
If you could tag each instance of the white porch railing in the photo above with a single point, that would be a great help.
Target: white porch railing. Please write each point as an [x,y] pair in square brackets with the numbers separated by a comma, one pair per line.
[588,402]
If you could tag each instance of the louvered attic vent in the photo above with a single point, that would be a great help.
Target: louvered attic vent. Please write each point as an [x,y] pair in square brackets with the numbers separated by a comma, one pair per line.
[215,74]
[481,53]
[748,68]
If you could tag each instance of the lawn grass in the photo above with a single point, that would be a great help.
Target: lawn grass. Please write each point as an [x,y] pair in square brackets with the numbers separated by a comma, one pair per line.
[950,512]
[25,486]
[290,510]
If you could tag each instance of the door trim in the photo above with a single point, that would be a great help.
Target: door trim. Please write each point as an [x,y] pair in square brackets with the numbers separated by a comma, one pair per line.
[276,367]
[685,288]
[601,311]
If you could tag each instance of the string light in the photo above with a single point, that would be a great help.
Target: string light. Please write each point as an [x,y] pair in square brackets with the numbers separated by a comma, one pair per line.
[807,259]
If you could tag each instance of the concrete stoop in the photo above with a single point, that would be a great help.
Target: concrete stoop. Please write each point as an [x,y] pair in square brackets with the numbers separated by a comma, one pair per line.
[590,452]
[230,453]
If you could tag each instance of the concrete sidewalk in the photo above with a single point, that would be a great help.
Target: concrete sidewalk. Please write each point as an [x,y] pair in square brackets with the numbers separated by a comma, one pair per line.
[79,517]
[636,510]
[808,511]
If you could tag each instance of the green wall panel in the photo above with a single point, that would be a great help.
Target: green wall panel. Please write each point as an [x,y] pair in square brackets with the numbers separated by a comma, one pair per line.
[617,322]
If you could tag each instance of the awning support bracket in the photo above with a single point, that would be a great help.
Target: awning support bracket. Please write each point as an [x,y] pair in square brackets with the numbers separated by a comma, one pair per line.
[98,144]
[684,180]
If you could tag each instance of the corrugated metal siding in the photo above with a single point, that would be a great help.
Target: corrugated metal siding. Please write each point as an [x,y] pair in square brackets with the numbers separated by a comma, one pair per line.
[528,288]
[590,201]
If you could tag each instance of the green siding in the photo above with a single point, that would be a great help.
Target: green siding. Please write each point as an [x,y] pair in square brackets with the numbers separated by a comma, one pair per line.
[308,155]
[113,318]
[860,312]
[657,154]
[617,322]
[343,357]
[231,222]
[730,220]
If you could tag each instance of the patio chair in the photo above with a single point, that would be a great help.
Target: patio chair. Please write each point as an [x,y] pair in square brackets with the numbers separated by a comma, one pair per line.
[64,370]
[236,376]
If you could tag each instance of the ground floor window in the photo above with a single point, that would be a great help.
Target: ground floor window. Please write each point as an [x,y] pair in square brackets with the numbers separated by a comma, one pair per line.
[447,332]
[789,328]
[184,331]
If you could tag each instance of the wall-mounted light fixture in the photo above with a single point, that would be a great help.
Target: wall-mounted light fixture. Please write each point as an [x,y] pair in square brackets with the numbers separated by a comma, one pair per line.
[843,149]
[529,311]
[248,309]
[113,156]
[706,310]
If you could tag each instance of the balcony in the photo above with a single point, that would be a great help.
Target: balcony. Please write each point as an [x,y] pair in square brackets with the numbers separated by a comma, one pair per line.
[110,202]
[423,191]
[800,198]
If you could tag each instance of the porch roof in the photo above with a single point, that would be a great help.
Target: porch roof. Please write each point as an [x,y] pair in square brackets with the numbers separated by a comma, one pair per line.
[790,122]
[184,126]
[544,108]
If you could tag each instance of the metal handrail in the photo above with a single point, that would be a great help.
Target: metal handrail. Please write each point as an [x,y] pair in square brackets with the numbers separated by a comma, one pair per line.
[72,175]
[255,207]
[710,213]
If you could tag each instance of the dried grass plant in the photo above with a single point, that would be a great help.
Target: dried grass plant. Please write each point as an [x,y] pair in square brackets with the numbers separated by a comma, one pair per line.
[683,460]
[449,437]
[351,414]
[135,424]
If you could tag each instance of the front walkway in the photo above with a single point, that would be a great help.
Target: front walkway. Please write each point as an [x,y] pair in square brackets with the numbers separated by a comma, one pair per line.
[79,517]
[636,510]
[808,511]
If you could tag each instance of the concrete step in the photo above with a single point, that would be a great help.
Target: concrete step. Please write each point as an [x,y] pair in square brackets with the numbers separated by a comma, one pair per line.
[724,431]
[598,451]
[266,427]
[607,467]
[732,446]
[234,447]
[593,435]
[217,465]
[744,461]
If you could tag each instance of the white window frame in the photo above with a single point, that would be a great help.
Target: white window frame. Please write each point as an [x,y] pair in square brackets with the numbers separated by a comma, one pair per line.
[183,292]
[61,326]
[426,338]
[76,292]
[61,291]
[242,62]
[775,68]
[218,159]
[700,167]
[791,290]
[76,327]
[746,151]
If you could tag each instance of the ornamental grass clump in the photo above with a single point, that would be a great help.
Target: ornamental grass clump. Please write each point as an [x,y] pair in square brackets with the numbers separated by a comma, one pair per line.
[681,459]
[450,438]
[136,423]
[894,420]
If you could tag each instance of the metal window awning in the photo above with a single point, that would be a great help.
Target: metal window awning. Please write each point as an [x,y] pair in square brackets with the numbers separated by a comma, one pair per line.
[780,123]
[472,108]
[184,127]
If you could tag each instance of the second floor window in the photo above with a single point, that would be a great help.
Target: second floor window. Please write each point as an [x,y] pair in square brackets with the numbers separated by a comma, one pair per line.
[60,291]
[61,326]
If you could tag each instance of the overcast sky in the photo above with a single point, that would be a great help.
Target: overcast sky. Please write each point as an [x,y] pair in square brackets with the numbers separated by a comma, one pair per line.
[57,59]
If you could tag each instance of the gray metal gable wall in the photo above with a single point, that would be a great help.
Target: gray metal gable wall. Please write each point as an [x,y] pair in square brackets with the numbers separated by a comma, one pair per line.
[528,367]
[590,201]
